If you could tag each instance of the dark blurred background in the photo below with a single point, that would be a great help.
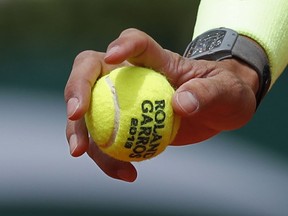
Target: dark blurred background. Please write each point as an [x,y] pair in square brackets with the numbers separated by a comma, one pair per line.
[45,36]
[39,41]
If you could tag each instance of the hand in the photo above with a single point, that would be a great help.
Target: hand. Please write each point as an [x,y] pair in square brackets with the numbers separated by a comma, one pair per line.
[210,96]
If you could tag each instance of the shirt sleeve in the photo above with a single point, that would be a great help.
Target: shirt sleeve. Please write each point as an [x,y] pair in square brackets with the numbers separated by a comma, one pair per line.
[264,21]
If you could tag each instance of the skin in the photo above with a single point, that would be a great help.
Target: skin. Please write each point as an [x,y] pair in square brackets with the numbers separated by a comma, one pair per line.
[210,96]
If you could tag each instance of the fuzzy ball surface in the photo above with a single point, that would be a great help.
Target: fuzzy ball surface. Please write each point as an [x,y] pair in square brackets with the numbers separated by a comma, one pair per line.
[130,116]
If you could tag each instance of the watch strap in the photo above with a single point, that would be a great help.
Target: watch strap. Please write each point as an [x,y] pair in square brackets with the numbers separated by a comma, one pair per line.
[251,53]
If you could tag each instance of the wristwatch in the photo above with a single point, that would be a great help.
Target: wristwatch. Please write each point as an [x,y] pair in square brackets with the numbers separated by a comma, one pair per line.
[223,43]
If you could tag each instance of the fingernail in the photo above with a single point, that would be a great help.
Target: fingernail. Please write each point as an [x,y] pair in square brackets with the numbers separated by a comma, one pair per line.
[111,51]
[125,175]
[72,106]
[187,101]
[73,143]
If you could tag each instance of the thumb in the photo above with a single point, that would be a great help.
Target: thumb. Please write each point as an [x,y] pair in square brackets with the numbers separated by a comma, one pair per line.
[221,101]
[195,95]
[185,103]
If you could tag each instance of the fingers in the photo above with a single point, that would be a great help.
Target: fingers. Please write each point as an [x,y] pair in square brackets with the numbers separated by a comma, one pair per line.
[132,45]
[136,47]
[116,169]
[86,68]
[140,49]
[77,137]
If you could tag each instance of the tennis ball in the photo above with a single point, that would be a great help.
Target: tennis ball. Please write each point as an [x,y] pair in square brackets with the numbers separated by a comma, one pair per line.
[130,116]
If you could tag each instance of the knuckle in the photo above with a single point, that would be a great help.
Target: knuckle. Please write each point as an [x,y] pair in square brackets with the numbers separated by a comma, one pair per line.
[84,55]
[131,31]
[135,33]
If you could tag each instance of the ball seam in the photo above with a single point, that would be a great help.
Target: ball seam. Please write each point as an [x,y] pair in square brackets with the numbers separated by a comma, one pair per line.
[117,112]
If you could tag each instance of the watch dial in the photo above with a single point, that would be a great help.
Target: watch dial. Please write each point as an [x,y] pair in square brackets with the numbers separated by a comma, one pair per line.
[207,42]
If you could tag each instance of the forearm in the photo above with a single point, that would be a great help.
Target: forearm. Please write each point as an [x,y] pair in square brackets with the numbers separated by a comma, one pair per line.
[260,20]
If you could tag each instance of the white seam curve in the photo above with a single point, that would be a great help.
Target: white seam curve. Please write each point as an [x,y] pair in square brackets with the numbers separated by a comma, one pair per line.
[117,112]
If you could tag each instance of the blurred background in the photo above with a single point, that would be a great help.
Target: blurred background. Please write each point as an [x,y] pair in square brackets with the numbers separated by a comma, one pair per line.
[243,172]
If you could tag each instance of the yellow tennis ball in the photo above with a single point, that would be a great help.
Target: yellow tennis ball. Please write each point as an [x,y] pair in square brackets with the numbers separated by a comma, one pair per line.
[130,116]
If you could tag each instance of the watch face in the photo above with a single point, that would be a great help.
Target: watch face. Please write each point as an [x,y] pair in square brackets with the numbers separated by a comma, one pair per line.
[207,42]
[216,44]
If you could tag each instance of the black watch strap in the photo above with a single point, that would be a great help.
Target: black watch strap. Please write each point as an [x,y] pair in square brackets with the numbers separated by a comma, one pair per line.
[222,43]
[252,54]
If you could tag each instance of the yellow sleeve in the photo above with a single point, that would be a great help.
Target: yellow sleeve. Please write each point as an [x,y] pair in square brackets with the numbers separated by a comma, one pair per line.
[265,21]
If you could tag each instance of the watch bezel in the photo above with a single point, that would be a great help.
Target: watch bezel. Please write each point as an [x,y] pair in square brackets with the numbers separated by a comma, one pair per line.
[223,51]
